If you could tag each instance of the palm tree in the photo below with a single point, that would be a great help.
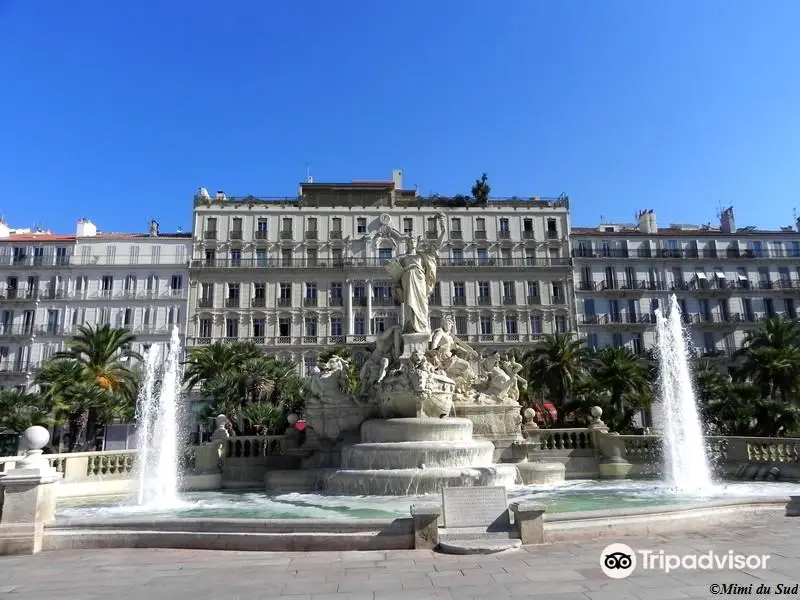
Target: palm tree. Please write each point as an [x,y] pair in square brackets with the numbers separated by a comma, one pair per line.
[770,358]
[554,366]
[92,381]
[622,373]
[207,362]
[21,409]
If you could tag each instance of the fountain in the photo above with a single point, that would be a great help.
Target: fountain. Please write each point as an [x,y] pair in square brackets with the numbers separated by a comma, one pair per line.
[158,438]
[405,439]
[685,460]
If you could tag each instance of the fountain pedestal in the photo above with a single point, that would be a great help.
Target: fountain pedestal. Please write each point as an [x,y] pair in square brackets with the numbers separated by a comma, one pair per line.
[417,455]
[29,497]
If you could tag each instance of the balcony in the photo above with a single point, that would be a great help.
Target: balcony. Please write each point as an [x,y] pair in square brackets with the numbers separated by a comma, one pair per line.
[236,234]
[258,302]
[435,300]
[310,301]
[359,300]
[505,263]
[552,235]
[791,286]
[284,302]
[335,301]
[715,287]
[601,253]
[232,302]
[335,235]
[503,235]
[484,300]
[431,235]
[456,235]
[480,235]
[16,330]
[586,286]
[459,300]
[261,235]
[528,234]
[210,234]
[312,235]
[286,235]
[205,303]
[382,301]
[376,263]
[15,295]
[534,300]
[510,300]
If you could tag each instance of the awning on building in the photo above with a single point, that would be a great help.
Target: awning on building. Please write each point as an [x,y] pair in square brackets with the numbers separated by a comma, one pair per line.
[701,274]
[719,274]
[742,277]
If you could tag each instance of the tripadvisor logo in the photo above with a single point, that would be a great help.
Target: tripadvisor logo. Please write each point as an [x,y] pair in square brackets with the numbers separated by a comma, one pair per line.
[620,560]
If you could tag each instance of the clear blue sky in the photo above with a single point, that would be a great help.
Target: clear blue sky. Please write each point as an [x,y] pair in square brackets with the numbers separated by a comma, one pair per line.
[118,111]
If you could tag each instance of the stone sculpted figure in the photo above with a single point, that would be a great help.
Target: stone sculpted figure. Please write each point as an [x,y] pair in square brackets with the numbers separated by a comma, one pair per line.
[452,355]
[414,275]
[512,368]
[328,382]
[498,382]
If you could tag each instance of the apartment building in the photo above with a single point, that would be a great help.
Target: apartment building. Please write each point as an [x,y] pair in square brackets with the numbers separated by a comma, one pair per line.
[50,283]
[302,274]
[726,279]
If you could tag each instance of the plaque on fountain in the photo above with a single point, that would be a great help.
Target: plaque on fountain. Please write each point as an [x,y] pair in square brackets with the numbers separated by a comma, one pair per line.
[475,507]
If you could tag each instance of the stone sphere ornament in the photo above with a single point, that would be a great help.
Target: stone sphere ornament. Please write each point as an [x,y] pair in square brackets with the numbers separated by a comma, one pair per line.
[292,419]
[36,438]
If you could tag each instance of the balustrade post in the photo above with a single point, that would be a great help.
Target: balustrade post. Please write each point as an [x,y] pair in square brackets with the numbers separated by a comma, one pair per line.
[29,497]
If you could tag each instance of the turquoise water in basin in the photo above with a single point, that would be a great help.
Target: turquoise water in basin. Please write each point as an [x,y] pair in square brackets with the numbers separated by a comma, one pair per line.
[571,496]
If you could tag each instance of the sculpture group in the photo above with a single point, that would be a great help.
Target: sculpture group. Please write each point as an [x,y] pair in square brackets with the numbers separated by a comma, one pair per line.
[413,371]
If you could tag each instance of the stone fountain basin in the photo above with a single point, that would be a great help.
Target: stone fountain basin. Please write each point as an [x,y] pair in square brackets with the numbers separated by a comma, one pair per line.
[422,454]
[415,429]
[287,535]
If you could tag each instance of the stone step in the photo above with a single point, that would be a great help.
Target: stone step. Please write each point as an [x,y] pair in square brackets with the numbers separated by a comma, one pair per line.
[479,546]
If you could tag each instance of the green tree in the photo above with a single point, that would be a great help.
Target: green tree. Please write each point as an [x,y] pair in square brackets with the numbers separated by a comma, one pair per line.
[770,359]
[92,382]
[21,409]
[620,371]
[481,189]
[553,367]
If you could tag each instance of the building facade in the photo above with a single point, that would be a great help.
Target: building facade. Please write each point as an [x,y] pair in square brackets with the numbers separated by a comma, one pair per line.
[304,274]
[51,283]
[726,281]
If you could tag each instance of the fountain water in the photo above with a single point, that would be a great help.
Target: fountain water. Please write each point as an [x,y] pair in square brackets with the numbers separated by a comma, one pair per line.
[685,457]
[158,434]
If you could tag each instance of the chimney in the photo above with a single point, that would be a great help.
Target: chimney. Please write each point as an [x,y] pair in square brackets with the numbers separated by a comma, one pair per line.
[153,228]
[86,228]
[397,178]
[647,221]
[727,223]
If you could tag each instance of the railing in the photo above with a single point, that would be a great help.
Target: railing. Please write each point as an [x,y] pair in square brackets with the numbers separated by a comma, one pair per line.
[349,263]
[356,339]
[253,446]
[85,466]
[680,254]
[565,439]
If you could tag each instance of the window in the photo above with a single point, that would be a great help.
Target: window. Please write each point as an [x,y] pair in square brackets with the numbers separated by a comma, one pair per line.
[461,325]
[378,325]
[134,255]
[233,291]
[485,325]
[130,283]
[480,224]
[261,229]
[312,224]
[311,257]
[236,257]
[310,326]
[483,290]
[231,328]
[107,285]
[52,321]
[431,225]
[504,228]
[533,291]
[561,324]
[104,317]
[763,276]
[361,225]
[483,256]
[284,327]
[459,293]
[205,328]
[436,322]
[384,254]
[505,257]
[511,325]
[286,225]
[455,228]
[309,362]
[336,294]
[589,307]
[552,229]
[336,326]
[630,277]
[127,318]
[336,225]
[262,259]
[285,294]
[509,291]
[558,293]
[358,325]
[536,324]
[207,291]
[236,227]
[311,290]
[769,307]
[337,257]
[210,258]
[176,283]
[408,225]
[530,258]
[458,256]
[62,257]
[527,229]
[616,340]
[152,283]
[259,328]
[171,316]
[591,342]
[286,257]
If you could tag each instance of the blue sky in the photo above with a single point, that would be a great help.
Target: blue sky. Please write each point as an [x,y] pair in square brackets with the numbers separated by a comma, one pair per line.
[118,111]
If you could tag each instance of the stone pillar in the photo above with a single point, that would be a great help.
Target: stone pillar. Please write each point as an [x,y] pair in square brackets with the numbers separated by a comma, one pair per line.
[348,306]
[369,324]
[793,507]
[29,497]
[426,525]
[529,521]
[613,461]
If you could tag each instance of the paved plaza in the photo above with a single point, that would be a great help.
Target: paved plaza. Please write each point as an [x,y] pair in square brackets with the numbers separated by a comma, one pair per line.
[564,571]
